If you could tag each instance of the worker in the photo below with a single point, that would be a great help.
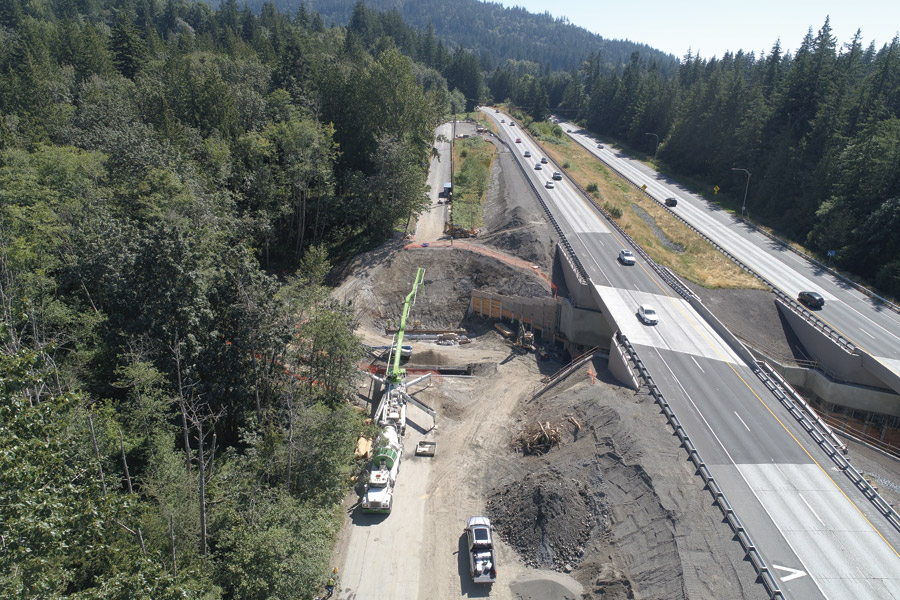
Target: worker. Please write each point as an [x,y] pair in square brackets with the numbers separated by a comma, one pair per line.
[329,587]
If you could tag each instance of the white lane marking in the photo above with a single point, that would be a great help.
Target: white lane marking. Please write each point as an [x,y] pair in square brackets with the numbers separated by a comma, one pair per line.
[815,514]
[867,333]
[743,477]
[745,425]
[794,573]
[699,367]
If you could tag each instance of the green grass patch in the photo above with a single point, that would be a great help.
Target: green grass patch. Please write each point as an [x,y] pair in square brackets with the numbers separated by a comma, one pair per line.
[546,131]
[698,262]
[472,159]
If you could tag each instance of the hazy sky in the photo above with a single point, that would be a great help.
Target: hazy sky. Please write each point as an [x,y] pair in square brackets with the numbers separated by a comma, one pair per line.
[712,28]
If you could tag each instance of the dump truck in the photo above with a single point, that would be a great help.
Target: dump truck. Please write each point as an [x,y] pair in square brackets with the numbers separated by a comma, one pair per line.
[482,558]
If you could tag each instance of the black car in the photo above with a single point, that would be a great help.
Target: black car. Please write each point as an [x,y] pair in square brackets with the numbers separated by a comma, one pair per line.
[671,201]
[811,299]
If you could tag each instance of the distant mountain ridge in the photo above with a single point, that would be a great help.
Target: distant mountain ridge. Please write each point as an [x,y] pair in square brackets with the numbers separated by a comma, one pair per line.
[496,33]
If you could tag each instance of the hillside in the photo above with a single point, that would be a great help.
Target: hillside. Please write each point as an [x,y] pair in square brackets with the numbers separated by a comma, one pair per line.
[495,33]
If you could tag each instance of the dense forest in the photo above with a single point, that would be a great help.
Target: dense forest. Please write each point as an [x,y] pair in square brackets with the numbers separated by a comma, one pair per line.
[173,374]
[494,33]
[818,130]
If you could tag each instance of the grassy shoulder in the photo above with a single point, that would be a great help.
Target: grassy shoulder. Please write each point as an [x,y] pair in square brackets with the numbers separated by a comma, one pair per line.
[472,159]
[666,239]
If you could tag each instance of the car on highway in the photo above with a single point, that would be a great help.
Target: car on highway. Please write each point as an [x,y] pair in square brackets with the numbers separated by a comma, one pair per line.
[811,299]
[518,140]
[512,123]
[537,166]
[527,154]
[557,175]
[600,146]
[647,314]
[549,185]
[543,160]
[568,131]
[503,120]
[626,257]
[496,111]
[671,201]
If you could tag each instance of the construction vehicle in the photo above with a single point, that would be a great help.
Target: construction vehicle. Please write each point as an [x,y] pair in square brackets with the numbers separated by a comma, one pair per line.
[391,417]
[458,231]
[379,490]
[525,340]
[482,558]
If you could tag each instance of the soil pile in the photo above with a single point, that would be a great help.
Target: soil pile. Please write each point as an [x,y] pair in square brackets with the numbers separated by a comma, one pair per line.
[548,518]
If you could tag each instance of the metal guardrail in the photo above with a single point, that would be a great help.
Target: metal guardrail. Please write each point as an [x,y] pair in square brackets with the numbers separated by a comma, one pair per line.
[789,301]
[664,273]
[862,289]
[570,252]
[829,442]
[751,552]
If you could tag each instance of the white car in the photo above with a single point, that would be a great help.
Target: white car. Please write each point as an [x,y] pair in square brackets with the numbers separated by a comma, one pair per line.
[549,185]
[626,257]
[527,154]
[543,160]
[648,314]
[538,167]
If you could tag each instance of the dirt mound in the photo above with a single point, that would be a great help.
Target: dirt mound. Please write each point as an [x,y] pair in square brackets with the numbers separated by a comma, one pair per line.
[547,518]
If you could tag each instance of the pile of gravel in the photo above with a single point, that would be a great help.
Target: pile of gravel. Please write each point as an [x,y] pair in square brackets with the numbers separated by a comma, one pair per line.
[548,518]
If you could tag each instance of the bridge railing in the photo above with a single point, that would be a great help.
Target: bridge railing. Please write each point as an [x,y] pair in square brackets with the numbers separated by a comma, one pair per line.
[751,552]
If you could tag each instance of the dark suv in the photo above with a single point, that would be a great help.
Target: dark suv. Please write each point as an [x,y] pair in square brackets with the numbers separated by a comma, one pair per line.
[671,201]
[811,299]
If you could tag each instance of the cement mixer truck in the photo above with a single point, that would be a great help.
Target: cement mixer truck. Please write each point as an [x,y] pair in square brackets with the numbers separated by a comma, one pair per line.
[379,490]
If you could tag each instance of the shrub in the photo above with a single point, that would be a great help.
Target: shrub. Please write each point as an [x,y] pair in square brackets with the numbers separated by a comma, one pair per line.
[566,165]
[615,211]
[592,188]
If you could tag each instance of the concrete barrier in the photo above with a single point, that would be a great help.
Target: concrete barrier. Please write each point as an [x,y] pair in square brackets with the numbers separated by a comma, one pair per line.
[618,365]
[736,345]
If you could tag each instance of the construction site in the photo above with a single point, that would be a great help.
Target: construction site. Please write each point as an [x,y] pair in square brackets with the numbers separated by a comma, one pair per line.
[490,402]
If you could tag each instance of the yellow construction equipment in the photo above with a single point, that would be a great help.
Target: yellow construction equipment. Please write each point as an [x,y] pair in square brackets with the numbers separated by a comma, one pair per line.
[457,231]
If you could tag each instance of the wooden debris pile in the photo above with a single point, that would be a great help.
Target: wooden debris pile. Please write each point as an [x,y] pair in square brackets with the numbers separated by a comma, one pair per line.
[537,439]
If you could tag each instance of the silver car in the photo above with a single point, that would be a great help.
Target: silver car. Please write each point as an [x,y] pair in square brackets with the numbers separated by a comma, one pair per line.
[626,257]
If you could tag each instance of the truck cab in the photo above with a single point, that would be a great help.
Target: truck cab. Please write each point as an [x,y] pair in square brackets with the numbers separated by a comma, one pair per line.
[482,558]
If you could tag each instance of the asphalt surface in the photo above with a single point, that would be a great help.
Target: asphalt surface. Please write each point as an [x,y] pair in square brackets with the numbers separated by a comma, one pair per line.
[819,535]
[868,323]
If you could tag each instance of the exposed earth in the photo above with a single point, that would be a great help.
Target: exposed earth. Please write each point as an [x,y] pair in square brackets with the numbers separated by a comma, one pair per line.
[615,511]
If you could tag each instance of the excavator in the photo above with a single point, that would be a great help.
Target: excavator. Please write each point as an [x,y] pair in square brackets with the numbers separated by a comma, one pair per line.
[457,231]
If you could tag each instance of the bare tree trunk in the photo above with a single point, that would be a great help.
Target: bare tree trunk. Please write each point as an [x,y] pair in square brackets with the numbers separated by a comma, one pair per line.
[202,463]
[187,440]
[176,351]
[140,536]
[172,540]
[97,452]
[290,444]
[302,225]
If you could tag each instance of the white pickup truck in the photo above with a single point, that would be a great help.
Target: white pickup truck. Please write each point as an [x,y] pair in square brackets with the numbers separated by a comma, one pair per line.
[482,558]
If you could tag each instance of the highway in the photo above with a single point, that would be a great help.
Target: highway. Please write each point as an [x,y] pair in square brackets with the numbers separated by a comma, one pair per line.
[820,536]
[866,322]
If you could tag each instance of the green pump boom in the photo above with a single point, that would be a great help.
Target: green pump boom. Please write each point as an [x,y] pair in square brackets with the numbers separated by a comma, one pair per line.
[395,375]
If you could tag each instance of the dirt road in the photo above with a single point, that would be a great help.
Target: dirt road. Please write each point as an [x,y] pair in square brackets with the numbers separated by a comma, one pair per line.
[615,512]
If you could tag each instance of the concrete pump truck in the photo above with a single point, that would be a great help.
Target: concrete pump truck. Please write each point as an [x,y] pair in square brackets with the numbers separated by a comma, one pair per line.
[391,417]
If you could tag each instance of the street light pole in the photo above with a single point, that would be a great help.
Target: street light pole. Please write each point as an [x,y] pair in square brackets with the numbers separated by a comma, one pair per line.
[746,187]
[657,144]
